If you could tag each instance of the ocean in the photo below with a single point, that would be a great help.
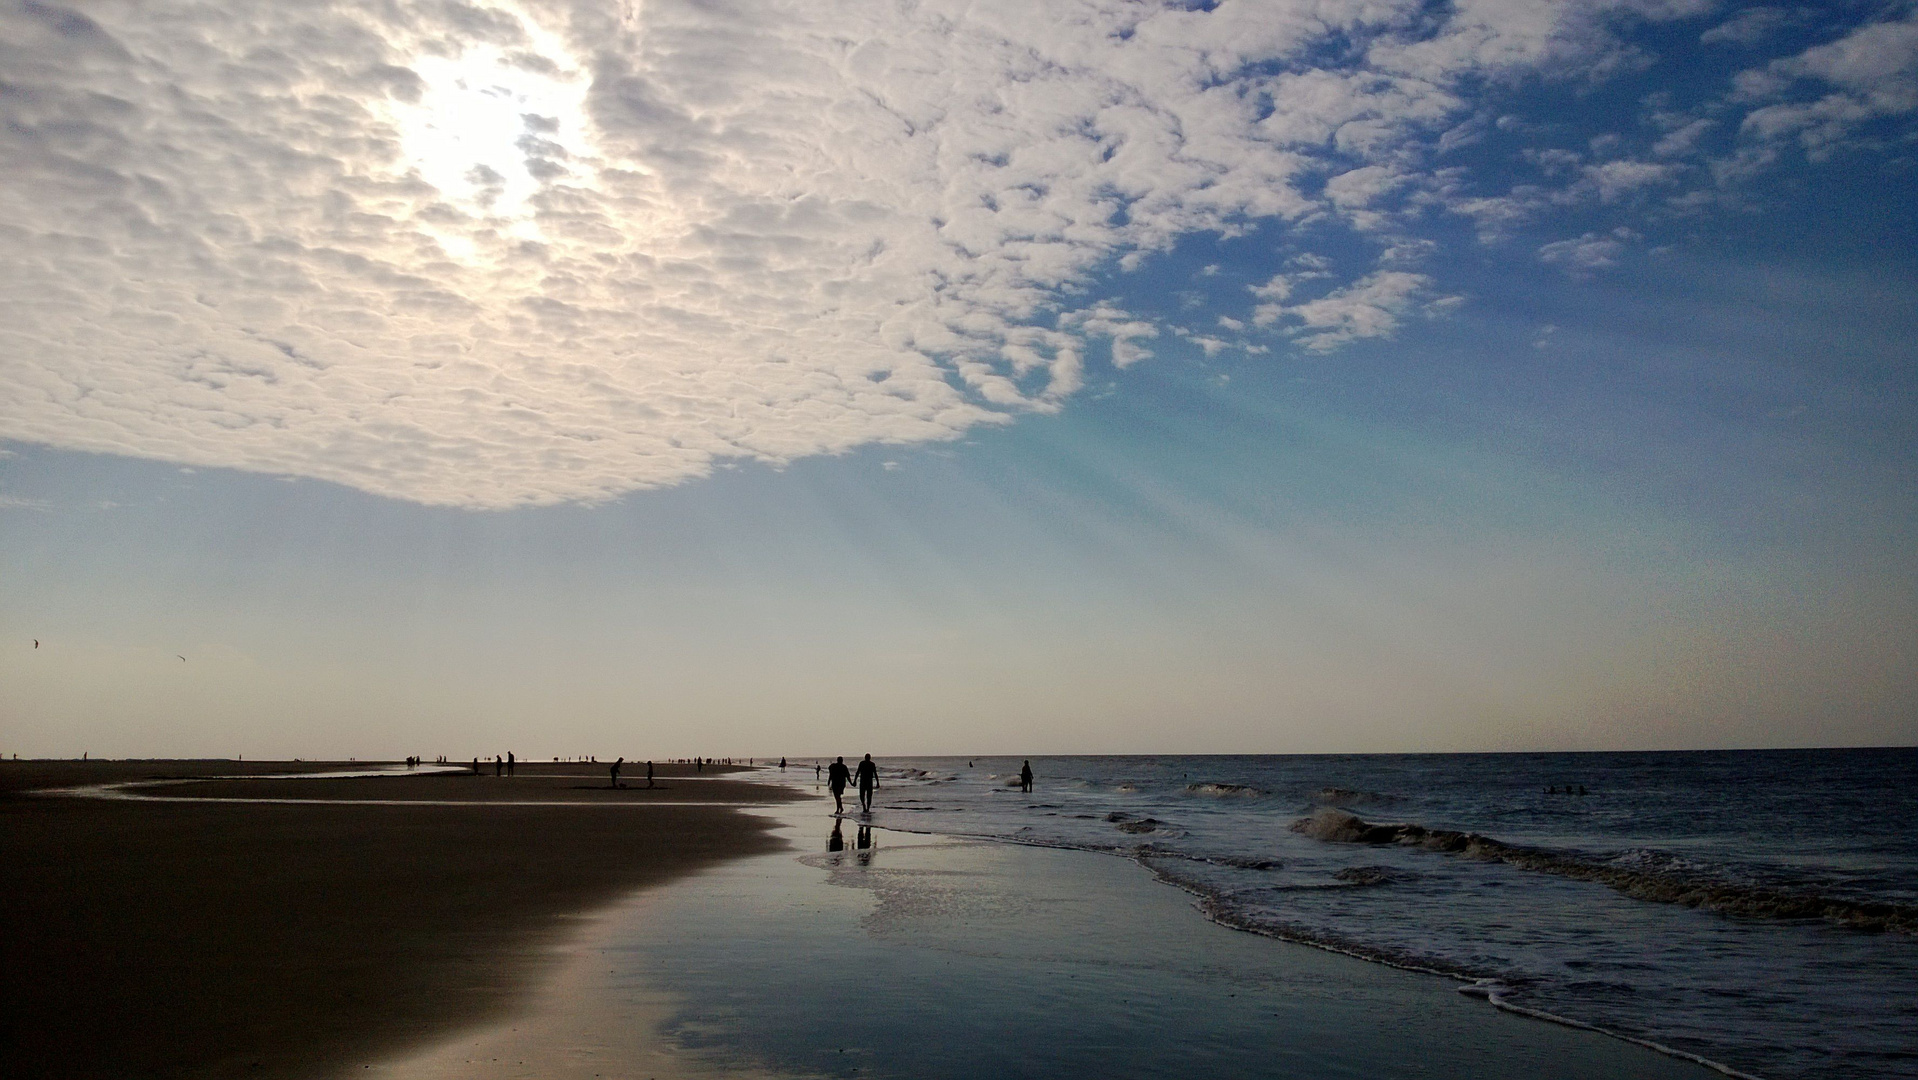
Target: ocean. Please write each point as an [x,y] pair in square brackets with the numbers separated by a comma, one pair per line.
[1753,909]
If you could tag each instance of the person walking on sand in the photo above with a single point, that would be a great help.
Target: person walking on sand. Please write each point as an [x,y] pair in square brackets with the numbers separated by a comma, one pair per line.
[1025,778]
[868,780]
[836,777]
[616,766]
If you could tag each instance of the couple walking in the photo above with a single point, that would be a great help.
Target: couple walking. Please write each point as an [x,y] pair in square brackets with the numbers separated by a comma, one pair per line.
[837,776]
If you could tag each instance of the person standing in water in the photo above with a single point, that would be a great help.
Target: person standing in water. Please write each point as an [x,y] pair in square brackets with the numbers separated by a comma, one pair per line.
[836,777]
[509,763]
[868,780]
[1025,777]
[649,774]
[615,770]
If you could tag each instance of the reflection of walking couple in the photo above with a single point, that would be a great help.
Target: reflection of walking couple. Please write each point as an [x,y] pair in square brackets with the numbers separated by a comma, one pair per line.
[837,776]
[863,841]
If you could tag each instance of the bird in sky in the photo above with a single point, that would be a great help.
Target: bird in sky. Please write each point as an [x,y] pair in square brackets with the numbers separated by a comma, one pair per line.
[182,658]
[36,643]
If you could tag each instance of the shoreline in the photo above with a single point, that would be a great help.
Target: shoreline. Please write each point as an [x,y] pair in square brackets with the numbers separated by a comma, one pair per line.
[908,953]
[212,937]
[1482,989]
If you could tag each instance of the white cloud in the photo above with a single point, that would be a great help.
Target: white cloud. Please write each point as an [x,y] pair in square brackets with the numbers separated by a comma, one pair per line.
[501,255]
[1615,180]
[1356,191]
[1682,140]
[1588,253]
[1748,27]
[1209,345]
[1371,307]
[1124,331]
[1871,72]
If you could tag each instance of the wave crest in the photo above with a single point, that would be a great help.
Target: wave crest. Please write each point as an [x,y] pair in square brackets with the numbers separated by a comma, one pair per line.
[1225,791]
[1634,880]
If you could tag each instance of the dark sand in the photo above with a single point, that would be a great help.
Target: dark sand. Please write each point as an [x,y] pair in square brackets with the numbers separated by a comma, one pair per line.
[201,939]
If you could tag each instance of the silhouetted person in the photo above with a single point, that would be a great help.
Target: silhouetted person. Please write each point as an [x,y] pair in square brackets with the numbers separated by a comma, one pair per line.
[699,764]
[837,841]
[782,764]
[616,766]
[868,780]
[499,765]
[475,766]
[509,763]
[815,772]
[1025,777]
[837,776]
[649,774]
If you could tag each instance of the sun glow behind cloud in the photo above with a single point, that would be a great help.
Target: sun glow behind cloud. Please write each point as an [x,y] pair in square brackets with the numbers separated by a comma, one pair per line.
[490,130]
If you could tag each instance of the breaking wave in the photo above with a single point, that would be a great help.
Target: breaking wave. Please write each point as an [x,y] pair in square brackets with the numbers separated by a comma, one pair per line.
[1225,791]
[1640,878]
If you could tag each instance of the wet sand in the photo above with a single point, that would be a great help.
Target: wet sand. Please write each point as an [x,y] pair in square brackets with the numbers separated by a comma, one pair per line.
[944,959]
[221,938]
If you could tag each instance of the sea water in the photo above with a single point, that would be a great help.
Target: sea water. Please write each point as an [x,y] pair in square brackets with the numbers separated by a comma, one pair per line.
[1658,896]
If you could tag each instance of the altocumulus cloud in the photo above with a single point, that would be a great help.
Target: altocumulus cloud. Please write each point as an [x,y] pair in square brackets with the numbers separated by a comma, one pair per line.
[509,254]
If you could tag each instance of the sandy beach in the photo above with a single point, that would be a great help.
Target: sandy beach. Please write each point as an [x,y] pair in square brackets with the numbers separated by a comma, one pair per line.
[216,939]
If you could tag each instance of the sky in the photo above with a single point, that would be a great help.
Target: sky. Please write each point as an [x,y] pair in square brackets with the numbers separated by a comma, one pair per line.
[607,377]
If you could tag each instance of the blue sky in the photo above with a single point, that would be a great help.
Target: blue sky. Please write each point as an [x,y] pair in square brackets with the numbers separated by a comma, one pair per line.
[580,378]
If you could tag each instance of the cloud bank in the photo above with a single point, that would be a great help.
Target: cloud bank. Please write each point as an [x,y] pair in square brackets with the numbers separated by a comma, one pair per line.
[491,255]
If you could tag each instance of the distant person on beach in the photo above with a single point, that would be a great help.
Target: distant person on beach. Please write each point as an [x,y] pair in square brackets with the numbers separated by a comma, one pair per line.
[616,766]
[475,766]
[837,777]
[815,772]
[868,780]
[699,764]
[1025,777]
[649,773]
[509,763]
[782,764]
[499,765]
